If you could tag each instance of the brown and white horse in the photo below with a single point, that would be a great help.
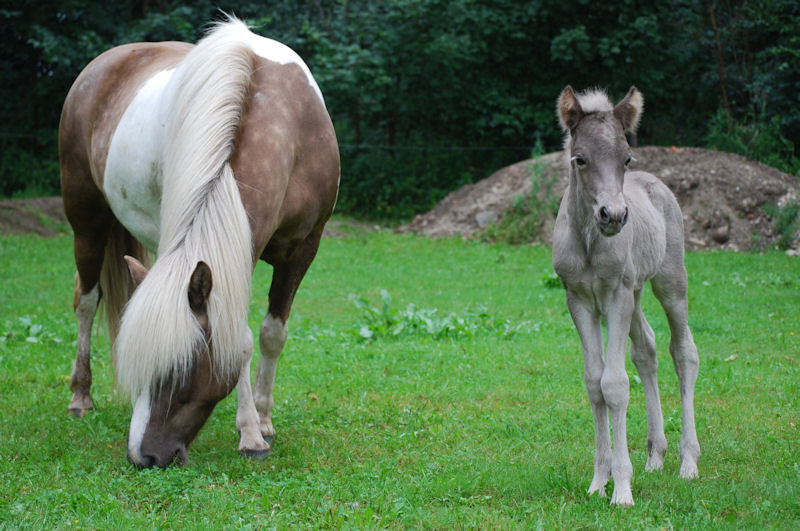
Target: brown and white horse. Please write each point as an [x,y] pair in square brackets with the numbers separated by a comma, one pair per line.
[616,230]
[211,156]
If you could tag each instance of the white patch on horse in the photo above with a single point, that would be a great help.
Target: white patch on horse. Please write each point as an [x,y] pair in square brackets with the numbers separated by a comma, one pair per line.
[133,177]
[139,420]
[281,54]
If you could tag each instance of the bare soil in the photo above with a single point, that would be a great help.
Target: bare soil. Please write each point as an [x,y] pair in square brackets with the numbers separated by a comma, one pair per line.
[42,215]
[721,195]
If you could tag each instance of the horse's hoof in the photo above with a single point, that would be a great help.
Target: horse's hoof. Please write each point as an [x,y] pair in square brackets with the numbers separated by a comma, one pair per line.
[78,412]
[254,454]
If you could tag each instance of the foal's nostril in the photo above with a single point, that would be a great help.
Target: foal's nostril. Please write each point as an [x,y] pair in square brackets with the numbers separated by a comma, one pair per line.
[625,217]
[604,215]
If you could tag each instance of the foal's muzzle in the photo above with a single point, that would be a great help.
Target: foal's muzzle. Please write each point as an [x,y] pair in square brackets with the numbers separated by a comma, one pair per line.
[611,220]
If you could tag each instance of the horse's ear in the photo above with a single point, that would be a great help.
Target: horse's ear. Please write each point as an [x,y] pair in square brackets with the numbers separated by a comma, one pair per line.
[200,287]
[569,110]
[629,110]
[137,270]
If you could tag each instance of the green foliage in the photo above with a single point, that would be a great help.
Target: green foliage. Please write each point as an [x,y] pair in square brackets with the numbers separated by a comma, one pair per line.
[787,222]
[388,322]
[427,96]
[758,141]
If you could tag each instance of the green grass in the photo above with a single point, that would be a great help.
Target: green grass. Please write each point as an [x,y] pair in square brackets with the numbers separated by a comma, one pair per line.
[482,430]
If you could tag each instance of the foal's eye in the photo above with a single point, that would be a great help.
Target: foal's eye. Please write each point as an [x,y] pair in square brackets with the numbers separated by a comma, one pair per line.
[628,160]
[580,161]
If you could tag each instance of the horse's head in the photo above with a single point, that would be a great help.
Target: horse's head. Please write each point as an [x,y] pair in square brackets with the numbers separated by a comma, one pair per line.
[598,152]
[168,414]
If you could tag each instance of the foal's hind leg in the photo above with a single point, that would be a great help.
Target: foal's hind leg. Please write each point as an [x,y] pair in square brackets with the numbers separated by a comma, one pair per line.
[643,354]
[671,292]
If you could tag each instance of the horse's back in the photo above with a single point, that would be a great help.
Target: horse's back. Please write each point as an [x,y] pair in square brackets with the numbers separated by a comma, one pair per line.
[91,113]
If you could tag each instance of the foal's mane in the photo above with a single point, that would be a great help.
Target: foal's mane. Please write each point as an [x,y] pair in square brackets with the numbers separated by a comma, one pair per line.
[202,218]
[591,101]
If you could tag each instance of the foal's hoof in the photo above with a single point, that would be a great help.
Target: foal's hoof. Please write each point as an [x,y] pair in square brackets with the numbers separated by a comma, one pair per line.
[254,454]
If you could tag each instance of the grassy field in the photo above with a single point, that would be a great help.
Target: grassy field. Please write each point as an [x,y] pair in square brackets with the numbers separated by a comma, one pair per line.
[453,400]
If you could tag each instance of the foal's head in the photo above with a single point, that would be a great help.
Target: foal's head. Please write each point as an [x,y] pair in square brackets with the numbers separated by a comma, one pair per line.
[167,417]
[598,152]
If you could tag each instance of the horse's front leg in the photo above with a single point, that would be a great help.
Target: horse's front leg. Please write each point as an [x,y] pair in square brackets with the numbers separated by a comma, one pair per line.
[616,391]
[587,322]
[273,336]
[251,444]
[81,378]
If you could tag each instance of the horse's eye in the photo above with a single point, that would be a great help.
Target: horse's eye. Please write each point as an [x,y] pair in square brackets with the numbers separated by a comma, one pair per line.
[628,160]
[580,161]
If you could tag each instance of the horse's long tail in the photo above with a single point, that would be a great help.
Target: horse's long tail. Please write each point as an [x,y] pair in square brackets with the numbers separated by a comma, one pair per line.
[202,219]
[116,284]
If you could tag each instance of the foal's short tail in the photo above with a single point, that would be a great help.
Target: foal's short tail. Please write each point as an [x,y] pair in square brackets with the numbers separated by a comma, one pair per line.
[116,283]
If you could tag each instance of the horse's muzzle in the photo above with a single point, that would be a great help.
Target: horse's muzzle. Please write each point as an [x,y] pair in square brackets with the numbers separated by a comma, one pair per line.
[177,455]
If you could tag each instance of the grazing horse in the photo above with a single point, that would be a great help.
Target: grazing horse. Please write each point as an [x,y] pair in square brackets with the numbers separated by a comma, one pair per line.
[616,230]
[211,156]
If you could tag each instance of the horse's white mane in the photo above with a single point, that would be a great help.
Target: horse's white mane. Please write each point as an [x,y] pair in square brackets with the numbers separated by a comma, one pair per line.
[202,218]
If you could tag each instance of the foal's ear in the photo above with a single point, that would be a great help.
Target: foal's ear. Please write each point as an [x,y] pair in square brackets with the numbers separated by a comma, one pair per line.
[200,287]
[569,110]
[629,110]
[137,270]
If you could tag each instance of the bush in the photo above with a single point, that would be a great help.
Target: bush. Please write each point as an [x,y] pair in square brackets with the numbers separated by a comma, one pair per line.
[755,139]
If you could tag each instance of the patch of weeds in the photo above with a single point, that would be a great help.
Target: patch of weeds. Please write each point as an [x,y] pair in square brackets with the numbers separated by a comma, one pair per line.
[384,321]
[26,329]
[786,220]
[523,222]
[551,280]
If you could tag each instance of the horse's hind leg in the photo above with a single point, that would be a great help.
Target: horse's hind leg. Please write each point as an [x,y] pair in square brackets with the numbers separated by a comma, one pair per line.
[89,260]
[643,354]
[671,292]
[81,378]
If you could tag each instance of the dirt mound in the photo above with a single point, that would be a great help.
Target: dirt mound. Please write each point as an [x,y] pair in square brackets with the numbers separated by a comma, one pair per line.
[721,195]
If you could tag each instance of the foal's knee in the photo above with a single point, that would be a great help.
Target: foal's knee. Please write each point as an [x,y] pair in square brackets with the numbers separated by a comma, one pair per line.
[616,389]
[592,378]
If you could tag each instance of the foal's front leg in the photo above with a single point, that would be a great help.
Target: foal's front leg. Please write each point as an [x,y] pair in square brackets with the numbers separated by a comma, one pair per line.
[587,322]
[616,392]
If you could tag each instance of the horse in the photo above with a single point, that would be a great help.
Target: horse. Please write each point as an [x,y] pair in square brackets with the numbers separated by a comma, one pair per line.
[212,156]
[615,230]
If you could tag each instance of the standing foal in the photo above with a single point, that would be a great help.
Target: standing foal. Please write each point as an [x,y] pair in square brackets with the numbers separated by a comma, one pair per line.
[615,231]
